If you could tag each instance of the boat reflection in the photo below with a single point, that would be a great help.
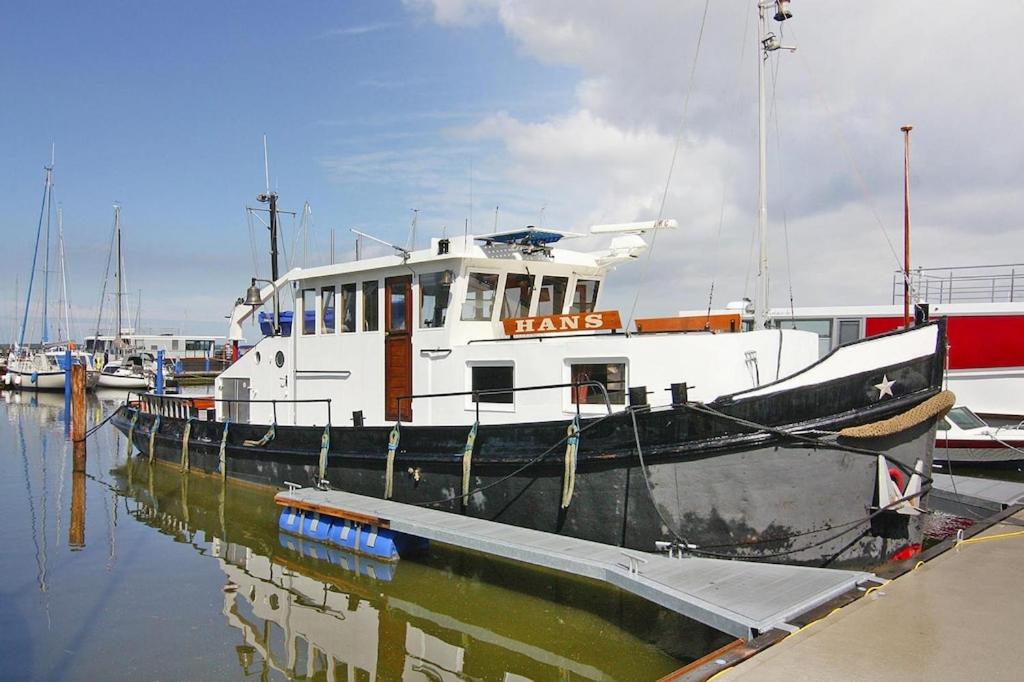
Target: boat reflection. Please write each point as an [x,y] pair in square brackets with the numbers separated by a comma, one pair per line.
[308,610]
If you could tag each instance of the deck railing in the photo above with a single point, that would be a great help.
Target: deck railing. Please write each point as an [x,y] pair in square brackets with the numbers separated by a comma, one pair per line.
[964,284]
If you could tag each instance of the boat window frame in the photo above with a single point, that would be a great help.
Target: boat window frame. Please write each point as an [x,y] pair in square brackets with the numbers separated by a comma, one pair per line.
[470,405]
[503,286]
[495,303]
[421,318]
[361,305]
[303,330]
[339,315]
[321,317]
[574,283]
[535,307]
[570,406]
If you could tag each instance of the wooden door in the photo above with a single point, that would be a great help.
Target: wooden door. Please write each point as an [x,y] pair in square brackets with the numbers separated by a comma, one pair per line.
[397,346]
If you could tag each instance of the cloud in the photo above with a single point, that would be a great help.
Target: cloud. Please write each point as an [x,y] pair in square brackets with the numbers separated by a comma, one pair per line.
[358,30]
[835,150]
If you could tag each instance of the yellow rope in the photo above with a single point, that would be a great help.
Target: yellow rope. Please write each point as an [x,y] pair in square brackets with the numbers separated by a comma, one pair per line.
[389,470]
[571,445]
[986,538]
[184,444]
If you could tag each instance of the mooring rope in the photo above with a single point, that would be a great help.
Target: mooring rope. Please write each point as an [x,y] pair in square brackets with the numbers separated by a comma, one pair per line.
[325,445]
[152,435]
[467,461]
[389,471]
[267,437]
[184,444]
[223,451]
[572,441]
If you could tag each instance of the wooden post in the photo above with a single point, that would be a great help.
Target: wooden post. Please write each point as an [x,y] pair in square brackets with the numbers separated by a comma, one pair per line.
[76,530]
[78,415]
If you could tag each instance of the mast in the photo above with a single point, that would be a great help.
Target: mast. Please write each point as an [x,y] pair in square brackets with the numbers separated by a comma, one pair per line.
[769,43]
[63,275]
[119,295]
[46,261]
[906,224]
[32,274]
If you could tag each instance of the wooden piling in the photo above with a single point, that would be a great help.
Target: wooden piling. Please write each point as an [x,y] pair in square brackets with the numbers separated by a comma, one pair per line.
[78,415]
[76,529]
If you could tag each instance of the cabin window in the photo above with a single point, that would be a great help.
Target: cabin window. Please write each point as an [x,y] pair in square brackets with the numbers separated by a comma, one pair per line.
[435,288]
[518,292]
[823,328]
[327,310]
[612,375]
[348,307]
[584,298]
[965,419]
[480,292]
[849,331]
[309,311]
[490,379]
[943,425]
[552,295]
[370,306]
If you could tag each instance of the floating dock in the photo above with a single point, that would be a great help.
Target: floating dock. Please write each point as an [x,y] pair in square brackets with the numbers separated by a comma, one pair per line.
[957,616]
[973,497]
[741,598]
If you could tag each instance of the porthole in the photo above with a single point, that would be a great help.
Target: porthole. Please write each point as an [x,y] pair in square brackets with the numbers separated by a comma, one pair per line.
[279,359]
[258,357]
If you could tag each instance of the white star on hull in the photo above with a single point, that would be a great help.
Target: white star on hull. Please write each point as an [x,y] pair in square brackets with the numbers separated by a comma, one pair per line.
[885,388]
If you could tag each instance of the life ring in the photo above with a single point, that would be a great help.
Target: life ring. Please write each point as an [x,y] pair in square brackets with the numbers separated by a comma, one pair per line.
[898,477]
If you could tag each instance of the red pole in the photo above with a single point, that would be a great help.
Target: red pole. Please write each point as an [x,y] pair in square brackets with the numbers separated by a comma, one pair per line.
[234,352]
[906,224]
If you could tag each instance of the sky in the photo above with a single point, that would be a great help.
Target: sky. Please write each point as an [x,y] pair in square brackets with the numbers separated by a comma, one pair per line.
[565,114]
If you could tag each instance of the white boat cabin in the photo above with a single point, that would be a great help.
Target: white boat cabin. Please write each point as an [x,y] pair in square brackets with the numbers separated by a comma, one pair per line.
[481,314]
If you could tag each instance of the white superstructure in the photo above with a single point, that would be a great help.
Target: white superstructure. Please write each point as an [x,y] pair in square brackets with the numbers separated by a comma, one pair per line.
[366,333]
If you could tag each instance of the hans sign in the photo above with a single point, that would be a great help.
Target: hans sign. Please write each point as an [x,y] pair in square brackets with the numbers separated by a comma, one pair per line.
[572,322]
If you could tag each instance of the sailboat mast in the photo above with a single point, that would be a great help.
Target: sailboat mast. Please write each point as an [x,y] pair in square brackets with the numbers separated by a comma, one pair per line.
[46,260]
[120,277]
[768,44]
[35,254]
[63,274]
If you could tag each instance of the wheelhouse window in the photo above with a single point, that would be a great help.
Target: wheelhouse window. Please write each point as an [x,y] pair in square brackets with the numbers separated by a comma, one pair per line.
[490,379]
[823,328]
[552,295]
[309,311]
[435,289]
[584,298]
[348,307]
[611,375]
[327,310]
[481,289]
[370,297]
[849,331]
[518,292]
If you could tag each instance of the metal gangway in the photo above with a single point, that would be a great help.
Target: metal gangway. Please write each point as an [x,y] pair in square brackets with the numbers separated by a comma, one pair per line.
[741,598]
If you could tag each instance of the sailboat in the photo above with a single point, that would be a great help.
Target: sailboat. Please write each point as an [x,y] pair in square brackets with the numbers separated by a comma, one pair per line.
[482,376]
[125,367]
[45,367]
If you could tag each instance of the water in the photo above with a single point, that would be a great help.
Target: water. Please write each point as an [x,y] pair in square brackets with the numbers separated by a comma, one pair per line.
[172,576]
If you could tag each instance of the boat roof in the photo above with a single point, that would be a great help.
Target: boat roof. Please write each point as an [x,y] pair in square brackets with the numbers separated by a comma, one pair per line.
[528,236]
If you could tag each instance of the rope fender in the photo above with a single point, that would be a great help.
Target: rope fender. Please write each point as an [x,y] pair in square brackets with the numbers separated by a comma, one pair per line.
[936,406]
[325,445]
[467,462]
[223,451]
[389,470]
[572,442]
[131,433]
[152,436]
[184,444]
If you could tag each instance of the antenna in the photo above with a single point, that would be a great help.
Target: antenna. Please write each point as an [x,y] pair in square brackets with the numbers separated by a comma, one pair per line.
[412,230]
[404,252]
[266,162]
[496,218]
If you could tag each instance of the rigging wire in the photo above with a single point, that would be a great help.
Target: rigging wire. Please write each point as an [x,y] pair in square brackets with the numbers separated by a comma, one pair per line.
[721,213]
[774,115]
[672,163]
[106,279]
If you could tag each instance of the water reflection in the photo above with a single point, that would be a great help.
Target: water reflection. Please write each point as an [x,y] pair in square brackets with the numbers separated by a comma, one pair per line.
[202,584]
[304,609]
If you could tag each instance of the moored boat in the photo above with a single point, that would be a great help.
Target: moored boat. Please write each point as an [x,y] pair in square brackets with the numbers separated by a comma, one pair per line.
[482,376]
[964,439]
